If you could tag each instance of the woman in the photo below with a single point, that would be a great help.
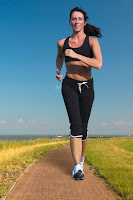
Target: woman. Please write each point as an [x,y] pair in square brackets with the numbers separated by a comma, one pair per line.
[77,86]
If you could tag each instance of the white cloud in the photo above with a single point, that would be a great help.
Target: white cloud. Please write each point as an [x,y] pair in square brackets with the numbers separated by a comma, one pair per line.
[20,121]
[35,122]
[3,122]
[117,123]
[104,123]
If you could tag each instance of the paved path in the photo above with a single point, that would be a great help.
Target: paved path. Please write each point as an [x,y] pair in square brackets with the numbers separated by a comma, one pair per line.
[50,178]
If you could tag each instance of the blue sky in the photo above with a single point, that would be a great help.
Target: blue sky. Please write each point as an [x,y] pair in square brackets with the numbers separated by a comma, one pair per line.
[31,100]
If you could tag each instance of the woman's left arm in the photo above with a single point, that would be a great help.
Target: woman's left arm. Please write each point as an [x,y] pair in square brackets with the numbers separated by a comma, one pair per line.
[93,62]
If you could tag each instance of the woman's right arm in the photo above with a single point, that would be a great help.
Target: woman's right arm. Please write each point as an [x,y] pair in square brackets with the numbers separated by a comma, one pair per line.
[59,59]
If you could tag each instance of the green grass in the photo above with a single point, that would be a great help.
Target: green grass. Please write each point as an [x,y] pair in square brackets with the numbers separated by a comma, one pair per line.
[112,160]
[16,156]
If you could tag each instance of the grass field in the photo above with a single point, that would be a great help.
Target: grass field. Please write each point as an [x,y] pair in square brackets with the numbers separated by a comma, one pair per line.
[15,156]
[112,160]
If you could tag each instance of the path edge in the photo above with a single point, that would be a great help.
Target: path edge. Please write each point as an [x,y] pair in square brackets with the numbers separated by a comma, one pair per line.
[15,181]
[6,193]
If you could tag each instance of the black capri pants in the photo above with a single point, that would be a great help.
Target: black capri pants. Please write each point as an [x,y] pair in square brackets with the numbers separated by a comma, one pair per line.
[78,98]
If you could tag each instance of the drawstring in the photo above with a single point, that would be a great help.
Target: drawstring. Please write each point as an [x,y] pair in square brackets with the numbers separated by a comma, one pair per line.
[79,85]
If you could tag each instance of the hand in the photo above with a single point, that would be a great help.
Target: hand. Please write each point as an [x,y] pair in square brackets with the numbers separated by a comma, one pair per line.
[70,53]
[59,77]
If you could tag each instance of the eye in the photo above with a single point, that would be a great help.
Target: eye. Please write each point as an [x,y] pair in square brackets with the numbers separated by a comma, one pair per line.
[73,19]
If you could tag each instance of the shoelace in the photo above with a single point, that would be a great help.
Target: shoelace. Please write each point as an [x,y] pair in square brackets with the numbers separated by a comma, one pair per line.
[80,84]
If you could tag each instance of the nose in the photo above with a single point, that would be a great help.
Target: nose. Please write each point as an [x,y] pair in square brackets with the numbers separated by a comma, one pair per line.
[77,21]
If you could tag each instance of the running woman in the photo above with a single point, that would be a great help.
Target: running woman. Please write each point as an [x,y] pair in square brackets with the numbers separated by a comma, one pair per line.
[81,52]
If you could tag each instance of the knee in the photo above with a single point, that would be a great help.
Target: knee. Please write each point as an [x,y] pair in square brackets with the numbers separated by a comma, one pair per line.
[76,131]
[85,133]
[84,137]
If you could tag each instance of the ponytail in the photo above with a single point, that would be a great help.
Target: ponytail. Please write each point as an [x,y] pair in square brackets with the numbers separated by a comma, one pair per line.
[92,30]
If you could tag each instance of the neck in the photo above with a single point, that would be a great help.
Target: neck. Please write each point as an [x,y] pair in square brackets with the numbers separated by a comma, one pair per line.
[78,35]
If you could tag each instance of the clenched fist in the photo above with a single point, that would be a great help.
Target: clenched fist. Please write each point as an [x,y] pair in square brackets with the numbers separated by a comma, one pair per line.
[70,53]
[59,77]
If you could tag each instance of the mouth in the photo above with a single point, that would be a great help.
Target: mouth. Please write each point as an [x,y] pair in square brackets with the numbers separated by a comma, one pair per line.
[76,26]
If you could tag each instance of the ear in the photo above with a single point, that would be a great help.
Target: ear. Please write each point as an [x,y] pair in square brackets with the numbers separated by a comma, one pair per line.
[70,22]
[86,22]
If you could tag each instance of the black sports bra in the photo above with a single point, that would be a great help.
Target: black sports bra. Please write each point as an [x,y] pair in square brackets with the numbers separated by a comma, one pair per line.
[84,50]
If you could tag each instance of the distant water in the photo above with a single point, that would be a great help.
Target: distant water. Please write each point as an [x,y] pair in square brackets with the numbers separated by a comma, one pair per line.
[25,137]
[33,137]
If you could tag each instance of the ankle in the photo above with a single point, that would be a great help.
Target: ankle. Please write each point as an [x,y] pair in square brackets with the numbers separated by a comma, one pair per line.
[82,159]
[78,164]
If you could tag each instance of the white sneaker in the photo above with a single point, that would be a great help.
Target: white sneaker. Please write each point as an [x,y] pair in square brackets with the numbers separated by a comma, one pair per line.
[77,172]
[82,165]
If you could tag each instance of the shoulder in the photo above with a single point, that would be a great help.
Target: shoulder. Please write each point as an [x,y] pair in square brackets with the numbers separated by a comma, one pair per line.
[93,41]
[60,43]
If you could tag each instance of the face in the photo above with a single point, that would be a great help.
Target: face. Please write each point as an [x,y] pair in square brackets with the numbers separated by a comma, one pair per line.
[77,21]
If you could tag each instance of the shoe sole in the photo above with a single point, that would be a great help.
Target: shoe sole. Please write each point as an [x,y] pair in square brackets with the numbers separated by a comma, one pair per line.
[79,175]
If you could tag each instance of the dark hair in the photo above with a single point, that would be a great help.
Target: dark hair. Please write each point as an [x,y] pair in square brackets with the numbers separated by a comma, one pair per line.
[88,29]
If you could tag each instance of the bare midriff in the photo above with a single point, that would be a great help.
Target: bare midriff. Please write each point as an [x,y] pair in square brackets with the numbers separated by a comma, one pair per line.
[78,70]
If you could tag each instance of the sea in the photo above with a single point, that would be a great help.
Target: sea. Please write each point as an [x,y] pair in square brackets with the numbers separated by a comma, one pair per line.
[26,137]
[33,137]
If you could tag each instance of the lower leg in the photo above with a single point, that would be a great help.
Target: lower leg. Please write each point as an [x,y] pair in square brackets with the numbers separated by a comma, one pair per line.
[83,152]
[83,148]
[76,149]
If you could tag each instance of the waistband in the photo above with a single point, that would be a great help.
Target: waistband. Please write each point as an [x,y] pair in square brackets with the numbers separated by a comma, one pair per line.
[77,81]
[74,83]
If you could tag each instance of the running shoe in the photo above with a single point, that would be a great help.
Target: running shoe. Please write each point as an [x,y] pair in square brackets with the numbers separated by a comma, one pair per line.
[82,165]
[77,172]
